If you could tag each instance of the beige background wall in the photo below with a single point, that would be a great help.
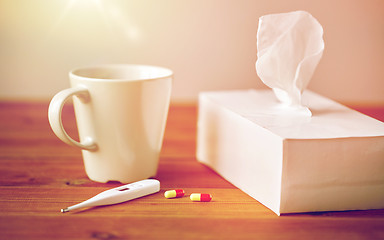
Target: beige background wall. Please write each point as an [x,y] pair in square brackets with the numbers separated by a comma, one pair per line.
[210,44]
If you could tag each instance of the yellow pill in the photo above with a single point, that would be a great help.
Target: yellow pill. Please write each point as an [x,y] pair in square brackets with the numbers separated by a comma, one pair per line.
[174,193]
[200,197]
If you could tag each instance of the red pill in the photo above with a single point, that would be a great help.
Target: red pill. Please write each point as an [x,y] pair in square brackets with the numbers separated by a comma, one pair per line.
[201,197]
[174,193]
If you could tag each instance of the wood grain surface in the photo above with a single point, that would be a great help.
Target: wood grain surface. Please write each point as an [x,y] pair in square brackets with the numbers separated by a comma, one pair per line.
[39,175]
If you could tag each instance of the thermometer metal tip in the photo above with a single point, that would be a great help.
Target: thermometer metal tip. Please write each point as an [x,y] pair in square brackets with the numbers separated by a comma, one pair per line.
[119,194]
[64,210]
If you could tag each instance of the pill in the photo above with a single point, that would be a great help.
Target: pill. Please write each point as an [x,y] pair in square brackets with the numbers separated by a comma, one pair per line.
[174,193]
[200,197]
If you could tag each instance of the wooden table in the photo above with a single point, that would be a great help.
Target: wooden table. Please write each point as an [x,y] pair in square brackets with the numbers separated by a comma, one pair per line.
[39,175]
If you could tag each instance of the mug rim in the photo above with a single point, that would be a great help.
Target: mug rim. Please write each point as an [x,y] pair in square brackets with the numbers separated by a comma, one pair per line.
[74,72]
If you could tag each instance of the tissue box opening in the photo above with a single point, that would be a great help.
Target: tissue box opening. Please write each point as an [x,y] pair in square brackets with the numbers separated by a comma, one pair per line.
[319,164]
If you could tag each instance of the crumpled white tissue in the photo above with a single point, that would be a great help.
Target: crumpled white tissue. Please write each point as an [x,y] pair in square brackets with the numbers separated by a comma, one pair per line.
[289,48]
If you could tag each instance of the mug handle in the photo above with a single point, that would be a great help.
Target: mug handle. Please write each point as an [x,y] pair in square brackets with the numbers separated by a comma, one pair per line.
[54,116]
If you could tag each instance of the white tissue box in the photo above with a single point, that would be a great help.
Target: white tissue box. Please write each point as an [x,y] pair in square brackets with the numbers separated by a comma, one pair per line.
[332,161]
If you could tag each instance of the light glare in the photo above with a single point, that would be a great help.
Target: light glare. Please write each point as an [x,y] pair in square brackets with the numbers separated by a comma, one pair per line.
[110,13]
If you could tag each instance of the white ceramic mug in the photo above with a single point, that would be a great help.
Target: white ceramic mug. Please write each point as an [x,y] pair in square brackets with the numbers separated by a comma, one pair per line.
[121,111]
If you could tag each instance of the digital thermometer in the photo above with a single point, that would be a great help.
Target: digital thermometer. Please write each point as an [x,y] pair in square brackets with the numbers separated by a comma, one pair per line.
[119,194]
